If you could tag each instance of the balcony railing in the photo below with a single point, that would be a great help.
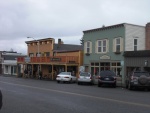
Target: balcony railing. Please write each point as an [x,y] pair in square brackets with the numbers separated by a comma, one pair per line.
[58,59]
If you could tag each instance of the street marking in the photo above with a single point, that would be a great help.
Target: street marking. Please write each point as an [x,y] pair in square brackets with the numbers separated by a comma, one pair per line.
[83,95]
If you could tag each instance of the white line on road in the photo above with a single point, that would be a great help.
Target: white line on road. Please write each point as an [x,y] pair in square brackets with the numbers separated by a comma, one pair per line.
[89,96]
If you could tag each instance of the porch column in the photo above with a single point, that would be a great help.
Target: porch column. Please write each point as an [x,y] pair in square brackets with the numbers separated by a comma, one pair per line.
[23,70]
[52,73]
[65,68]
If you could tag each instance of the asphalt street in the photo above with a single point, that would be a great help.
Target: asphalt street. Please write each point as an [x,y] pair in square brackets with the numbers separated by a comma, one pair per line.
[40,96]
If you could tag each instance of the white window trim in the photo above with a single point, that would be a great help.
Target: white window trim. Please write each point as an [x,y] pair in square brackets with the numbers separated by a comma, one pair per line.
[107,46]
[134,45]
[121,44]
[90,47]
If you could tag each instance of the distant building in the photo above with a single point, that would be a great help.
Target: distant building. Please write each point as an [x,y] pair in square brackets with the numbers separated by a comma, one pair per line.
[8,62]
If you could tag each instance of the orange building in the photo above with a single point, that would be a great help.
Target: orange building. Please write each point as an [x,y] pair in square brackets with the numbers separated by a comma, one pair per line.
[50,58]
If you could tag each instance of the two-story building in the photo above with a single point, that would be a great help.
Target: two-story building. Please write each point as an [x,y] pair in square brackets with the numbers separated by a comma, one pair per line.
[51,58]
[104,47]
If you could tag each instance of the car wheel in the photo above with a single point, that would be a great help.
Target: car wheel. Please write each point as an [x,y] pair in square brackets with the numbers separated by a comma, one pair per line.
[126,86]
[78,83]
[99,85]
[91,83]
[70,80]
[58,81]
[114,85]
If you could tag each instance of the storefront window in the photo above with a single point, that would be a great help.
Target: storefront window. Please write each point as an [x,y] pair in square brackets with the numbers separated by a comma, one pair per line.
[96,67]
[92,64]
[96,64]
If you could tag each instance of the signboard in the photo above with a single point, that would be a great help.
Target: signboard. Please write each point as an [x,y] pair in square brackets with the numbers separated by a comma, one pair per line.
[27,59]
[55,59]
[81,69]
[105,57]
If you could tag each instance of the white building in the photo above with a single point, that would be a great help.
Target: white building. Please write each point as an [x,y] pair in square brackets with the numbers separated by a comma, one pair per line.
[8,62]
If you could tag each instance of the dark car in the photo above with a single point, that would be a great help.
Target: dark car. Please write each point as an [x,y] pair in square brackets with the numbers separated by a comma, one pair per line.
[1,103]
[107,77]
[138,79]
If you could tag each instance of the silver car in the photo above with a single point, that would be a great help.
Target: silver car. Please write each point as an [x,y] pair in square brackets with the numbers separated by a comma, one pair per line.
[66,77]
[85,77]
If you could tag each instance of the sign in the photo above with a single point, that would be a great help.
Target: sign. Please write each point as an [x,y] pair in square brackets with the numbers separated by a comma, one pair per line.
[55,59]
[27,59]
[72,62]
[105,57]
[81,68]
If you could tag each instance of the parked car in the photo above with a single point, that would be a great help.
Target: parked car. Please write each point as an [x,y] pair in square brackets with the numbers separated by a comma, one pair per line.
[107,77]
[1,102]
[85,77]
[138,79]
[66,77]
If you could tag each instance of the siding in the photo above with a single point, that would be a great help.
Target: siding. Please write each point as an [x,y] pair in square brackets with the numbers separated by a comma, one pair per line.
[132,31]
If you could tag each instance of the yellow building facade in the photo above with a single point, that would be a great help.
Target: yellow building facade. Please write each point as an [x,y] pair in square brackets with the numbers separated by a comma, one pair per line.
[51,58]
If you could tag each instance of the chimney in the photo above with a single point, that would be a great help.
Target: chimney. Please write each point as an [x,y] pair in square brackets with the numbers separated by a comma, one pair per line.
[147,36]
[59,41]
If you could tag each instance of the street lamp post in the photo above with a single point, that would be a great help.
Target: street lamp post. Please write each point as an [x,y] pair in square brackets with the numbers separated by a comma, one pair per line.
[38,51]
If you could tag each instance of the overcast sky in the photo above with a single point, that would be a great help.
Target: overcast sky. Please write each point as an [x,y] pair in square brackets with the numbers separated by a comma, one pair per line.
[65,19]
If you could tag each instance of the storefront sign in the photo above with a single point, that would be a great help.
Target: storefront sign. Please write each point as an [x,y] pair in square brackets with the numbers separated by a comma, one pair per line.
[55,59]
[105,57]
[27,59]
[72,62]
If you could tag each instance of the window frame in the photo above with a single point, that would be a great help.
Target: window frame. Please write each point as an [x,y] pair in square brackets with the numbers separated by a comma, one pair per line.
[116,44]
[102,48]
[88,47]
[135,46]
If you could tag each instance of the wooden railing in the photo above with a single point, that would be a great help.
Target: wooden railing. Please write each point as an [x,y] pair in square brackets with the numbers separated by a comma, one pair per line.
[58,59]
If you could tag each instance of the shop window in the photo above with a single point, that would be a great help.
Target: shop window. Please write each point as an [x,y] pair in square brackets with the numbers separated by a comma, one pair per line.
[113,64]
[92,64]
[96,64]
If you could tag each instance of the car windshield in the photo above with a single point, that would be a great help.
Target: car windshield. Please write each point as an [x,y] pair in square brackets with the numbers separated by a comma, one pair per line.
[65,73]
[138,74]
[84,74]
[107,73]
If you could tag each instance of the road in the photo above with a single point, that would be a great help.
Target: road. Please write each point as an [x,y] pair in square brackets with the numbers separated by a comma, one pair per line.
[40,96]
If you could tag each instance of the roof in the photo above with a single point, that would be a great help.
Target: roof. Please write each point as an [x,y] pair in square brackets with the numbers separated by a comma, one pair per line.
[44,39]
[110,27]
[142,53]
[10,57]
[67,47]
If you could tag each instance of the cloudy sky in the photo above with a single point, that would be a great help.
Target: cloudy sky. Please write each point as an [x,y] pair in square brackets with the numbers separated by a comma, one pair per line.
[65,19]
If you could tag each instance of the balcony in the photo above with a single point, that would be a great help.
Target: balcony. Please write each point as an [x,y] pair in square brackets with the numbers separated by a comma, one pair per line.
[56,59]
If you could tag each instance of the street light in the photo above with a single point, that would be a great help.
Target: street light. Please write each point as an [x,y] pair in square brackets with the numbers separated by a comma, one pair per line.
[38,52]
